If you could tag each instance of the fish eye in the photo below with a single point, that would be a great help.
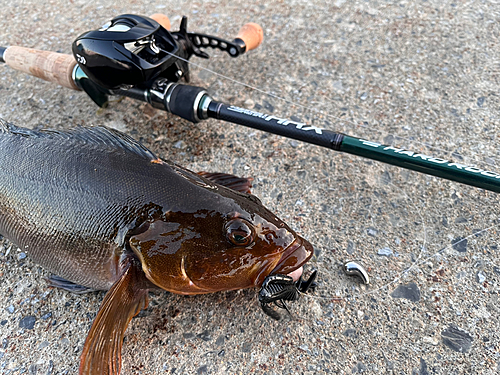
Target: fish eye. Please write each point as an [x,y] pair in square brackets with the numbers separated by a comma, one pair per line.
[239,232]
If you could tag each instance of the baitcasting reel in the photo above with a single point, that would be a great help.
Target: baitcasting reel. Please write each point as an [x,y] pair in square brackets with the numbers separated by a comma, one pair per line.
[131,50]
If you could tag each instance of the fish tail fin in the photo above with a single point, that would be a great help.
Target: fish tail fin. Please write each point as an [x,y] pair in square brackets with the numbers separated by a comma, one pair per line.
[102,350]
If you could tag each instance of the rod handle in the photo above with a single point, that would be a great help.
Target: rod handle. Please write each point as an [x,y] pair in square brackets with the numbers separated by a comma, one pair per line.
[50,66]
[252,35]
[162,20]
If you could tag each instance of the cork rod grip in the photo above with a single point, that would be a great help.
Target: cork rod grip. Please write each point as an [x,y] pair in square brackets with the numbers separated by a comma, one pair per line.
[251,34]
[50,66]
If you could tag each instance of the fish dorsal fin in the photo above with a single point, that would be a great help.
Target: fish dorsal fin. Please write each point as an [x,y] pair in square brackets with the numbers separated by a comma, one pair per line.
[98,135]
[4,126]
[102,350]
[7,127]
[240,184]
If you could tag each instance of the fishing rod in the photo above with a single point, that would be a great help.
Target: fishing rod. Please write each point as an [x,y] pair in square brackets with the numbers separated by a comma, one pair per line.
[140,58]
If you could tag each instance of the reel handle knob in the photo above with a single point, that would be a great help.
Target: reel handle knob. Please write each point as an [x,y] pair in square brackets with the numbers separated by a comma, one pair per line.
[162,20]
[252,35]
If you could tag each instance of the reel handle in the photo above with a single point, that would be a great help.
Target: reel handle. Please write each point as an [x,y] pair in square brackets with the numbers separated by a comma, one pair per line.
[162,20]
[251,34]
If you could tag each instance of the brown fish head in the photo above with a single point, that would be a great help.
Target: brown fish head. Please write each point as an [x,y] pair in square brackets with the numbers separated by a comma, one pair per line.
[233,245]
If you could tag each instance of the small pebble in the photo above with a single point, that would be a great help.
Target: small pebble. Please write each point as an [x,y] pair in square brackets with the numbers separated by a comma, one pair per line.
[46,316]
[457,339]
[386,178]
[430,340]
[387,252]
[388,140]
[407,291]
[478,232]
[360,367]
[27,322]
[10,309]
[351,332]
[423,368]
[246,347]
[202,370]
[268,106]
[350,247]
[459,244]
[220,340]
[43,344]
[249,103]
[480,277]
[180,145]
[205,336]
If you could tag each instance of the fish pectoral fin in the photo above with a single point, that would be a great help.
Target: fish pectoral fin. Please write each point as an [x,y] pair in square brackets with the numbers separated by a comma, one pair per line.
[58,282]
[241,184]
[102,350]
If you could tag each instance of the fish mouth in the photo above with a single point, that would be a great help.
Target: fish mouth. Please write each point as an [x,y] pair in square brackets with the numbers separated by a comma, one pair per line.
[293,258]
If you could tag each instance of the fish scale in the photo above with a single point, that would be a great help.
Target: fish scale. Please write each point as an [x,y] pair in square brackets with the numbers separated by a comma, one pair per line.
[47,179]
[39,202]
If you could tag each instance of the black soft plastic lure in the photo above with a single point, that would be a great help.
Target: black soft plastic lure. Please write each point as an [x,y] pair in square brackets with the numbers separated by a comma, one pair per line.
[277,289]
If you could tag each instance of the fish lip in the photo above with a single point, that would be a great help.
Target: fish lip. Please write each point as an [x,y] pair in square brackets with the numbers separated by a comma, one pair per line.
[294,256]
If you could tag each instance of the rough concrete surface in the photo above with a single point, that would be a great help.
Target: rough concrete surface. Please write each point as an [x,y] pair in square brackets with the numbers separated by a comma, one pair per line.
[422,75]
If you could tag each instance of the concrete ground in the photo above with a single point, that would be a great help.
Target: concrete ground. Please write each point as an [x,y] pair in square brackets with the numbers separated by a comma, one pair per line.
[423,75]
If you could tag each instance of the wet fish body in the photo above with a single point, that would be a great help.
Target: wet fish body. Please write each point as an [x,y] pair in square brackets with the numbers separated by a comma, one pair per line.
[101,211]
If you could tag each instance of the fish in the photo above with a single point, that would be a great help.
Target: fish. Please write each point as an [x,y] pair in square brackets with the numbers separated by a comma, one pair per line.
[100,211]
